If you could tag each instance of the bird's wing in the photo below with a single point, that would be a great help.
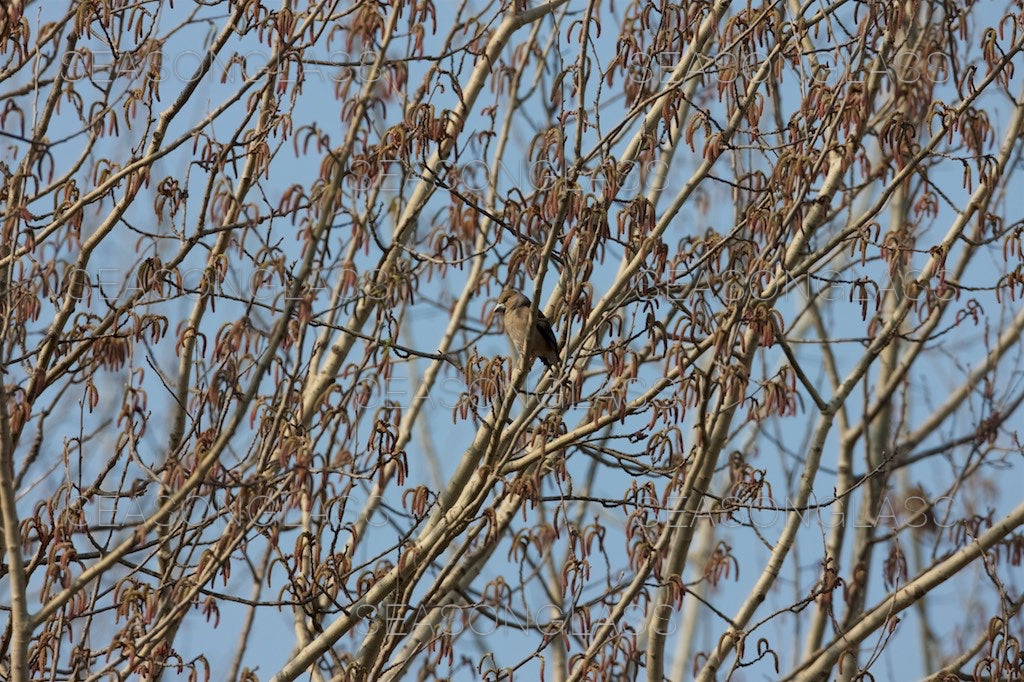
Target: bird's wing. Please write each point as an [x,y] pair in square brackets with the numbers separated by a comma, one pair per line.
[544,329]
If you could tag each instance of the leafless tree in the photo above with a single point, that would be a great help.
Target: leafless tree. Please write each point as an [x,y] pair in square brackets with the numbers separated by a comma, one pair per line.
[260,419]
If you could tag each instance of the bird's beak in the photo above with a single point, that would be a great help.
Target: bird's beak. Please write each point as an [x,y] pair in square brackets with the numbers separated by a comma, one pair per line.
[500,308]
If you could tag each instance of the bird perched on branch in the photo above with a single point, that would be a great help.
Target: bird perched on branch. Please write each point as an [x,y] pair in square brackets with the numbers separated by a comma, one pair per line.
[529,330]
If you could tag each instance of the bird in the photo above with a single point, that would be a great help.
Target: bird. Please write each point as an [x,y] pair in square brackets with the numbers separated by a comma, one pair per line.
[538,342]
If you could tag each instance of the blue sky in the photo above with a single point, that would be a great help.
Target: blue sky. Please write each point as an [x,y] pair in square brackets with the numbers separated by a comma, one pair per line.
[774,447]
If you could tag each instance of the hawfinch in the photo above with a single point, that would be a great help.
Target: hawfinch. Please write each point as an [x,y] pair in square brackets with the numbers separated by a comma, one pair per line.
[536,342]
